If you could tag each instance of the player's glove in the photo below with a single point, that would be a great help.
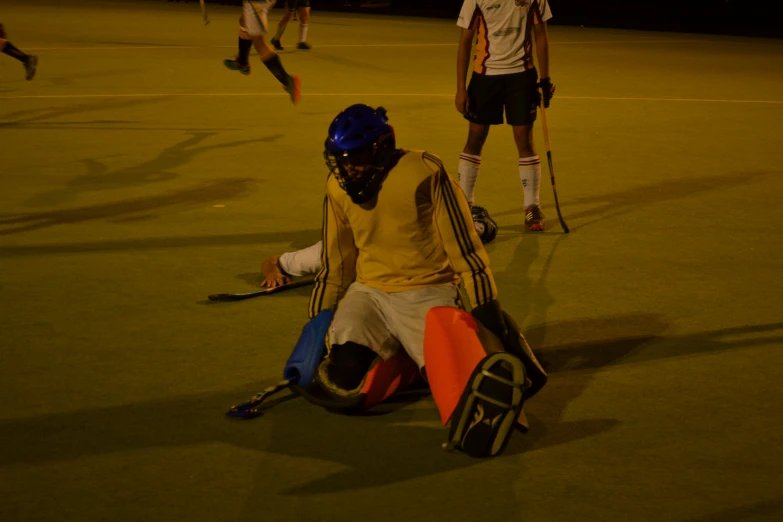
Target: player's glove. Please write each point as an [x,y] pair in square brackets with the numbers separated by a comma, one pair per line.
[548,88]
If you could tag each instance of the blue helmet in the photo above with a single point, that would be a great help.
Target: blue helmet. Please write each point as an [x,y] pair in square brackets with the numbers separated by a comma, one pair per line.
[362,138]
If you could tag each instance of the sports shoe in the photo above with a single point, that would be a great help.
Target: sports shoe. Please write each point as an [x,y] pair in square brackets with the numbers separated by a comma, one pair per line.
[276,44]
[481,218]
[234,65]
[304,46]
[294,88]
[534,219]
[30,66]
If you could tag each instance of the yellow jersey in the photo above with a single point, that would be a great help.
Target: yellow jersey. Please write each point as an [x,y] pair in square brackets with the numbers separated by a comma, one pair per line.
[419,234]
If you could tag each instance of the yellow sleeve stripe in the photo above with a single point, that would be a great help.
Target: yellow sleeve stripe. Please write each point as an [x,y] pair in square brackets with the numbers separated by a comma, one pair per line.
[317,297]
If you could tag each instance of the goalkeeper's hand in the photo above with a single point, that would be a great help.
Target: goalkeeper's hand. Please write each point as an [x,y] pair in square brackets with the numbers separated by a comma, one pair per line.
[273,274]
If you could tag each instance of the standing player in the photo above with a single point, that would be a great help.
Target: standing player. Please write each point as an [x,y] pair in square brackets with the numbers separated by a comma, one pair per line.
[397,240]
[504,77]
[252,27]
[291,8]
[29,61]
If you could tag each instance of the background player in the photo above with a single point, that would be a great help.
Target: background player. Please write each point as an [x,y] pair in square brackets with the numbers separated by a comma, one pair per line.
[504,78]
[291,9]
[252,27]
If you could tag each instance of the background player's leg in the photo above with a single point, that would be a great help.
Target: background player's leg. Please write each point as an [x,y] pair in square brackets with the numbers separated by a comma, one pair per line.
[470,159]
[242,61]
[256,23]
[304,19]
[29,61]
[272,61]
[530,176]
[281,29]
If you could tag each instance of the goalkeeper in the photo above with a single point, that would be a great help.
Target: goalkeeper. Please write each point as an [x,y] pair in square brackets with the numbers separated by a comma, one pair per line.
[397,241]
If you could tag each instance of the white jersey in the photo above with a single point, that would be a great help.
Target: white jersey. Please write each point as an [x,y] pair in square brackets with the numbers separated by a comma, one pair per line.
[504,33]
[301,262]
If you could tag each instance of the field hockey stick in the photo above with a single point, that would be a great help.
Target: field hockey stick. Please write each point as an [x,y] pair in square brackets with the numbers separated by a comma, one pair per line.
[551,168]
[299,369]
[249,409]
[204,13]
[223,298]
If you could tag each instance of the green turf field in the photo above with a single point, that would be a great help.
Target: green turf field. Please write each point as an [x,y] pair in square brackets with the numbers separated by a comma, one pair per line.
[137,175]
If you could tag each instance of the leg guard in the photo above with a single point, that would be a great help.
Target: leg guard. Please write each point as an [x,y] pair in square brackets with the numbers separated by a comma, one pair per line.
[480,394]
[380,381]
[387,377]
[309,350]
[517,345]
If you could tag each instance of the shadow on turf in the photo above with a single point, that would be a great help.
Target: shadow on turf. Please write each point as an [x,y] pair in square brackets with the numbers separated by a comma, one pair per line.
[219,190]
[390,446]
[298,237]
[32,118]
[159,169]
[613,204]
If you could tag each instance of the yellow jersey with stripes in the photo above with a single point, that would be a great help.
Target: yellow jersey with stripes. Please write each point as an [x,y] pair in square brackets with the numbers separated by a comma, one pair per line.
[419,234]
[504,30]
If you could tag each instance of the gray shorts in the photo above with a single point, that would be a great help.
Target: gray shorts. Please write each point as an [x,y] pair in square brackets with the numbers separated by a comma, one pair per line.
[385,321]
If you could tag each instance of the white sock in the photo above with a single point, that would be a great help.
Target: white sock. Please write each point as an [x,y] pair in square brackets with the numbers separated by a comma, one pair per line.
[530,175]
[469,166]
[302,32]
[280,31]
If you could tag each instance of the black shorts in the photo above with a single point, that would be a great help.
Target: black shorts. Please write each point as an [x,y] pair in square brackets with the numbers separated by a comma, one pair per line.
[293,5]
[488,95]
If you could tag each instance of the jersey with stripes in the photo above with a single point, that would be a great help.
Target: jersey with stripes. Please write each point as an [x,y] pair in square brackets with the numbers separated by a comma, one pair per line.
[419,234]
[503,33]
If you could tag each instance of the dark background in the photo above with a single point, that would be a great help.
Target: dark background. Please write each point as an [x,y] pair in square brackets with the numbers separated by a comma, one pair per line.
[732,17]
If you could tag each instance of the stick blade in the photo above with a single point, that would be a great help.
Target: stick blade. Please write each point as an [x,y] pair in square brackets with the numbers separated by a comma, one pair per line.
[244,411]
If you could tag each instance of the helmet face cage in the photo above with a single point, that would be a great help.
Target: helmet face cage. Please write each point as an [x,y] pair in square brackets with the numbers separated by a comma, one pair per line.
[358,149]
[363,183]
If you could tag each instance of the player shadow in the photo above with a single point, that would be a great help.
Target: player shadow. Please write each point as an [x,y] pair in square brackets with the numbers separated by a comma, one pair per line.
[373,450]
[160,243]
[139,208]
[66,79]
[601,207]
[159,169]
[31,118]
